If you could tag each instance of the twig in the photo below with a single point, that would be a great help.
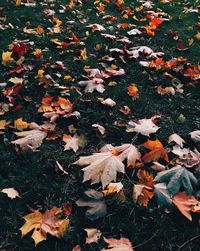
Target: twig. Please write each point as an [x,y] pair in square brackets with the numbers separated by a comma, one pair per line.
[188,241]
[145,242]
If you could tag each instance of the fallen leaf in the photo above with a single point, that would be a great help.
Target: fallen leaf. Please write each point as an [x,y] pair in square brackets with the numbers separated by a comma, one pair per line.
[11,192]
[143,126]
[157,151]
[123,244]
[185,203]
[96,203]
[43,224]
[93,235]
[101,166]
[177,139]
[176,178]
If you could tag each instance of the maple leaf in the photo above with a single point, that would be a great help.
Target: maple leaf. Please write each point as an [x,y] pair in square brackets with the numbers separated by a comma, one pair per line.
[185,203]
[32,139]
[93,84]
[157,151]
[71,142]
[123,244]
[43,224]
[96,203]
[176,178]
[129,152]
[143,191]
[143,126]
[101,166]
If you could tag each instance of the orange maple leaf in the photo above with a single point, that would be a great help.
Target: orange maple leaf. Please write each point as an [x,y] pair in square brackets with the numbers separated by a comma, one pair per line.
[157,151]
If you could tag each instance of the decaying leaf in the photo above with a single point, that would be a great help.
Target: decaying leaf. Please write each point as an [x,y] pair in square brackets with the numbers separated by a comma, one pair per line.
[95,201]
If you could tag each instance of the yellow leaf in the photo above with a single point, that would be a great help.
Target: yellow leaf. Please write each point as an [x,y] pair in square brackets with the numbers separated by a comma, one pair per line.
[198,35]
[37,52]
[7,58]
[20,124]
[43,224]
[68,77]
[3,124]
[18,2]
[33,221]
[84,54]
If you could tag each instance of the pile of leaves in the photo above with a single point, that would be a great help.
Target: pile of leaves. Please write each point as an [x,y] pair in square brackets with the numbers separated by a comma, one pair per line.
[99,126]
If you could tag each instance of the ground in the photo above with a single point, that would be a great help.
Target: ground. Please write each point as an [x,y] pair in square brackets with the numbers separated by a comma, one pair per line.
[34,174]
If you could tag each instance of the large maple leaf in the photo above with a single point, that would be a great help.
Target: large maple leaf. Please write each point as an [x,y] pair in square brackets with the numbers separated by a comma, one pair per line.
[101,166]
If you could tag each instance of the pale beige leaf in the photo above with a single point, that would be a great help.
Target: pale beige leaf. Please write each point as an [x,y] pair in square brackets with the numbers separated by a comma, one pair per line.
[123,244]
[93,235]
[11,192]
[177,139]
[143,126]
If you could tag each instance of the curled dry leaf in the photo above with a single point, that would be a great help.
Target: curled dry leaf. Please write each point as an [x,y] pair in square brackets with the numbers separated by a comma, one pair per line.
[100,128]
[123,244]
[177,139]
[93,235]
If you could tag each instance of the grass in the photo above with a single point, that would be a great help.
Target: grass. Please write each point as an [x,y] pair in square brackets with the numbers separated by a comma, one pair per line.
[34,175]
